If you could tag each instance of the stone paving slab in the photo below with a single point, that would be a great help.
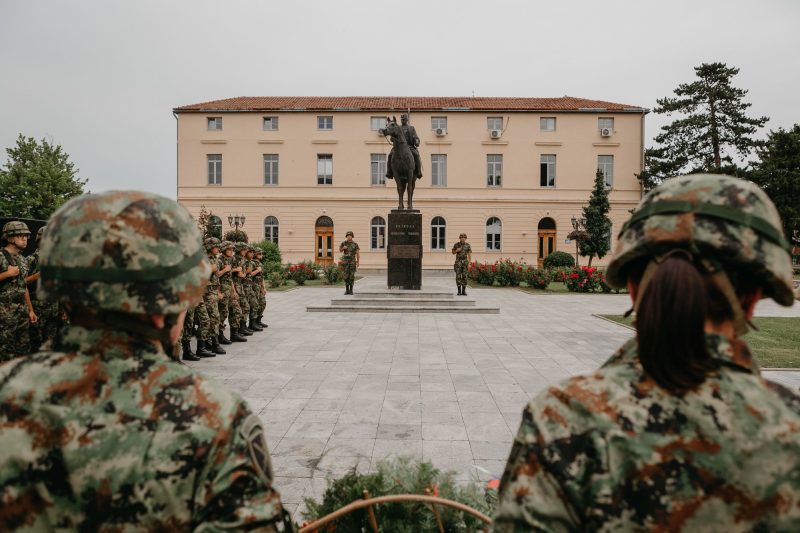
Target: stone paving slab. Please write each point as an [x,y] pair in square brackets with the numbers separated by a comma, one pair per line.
[338,391]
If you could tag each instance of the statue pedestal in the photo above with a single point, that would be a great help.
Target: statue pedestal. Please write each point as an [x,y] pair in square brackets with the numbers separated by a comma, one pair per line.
[404,250]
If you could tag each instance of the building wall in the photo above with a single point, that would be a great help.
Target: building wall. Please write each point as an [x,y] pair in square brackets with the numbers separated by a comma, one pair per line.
[351,201]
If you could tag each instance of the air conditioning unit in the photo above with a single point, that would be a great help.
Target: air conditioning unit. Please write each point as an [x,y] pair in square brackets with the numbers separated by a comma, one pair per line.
[606,132]
[495,134]
[440,132]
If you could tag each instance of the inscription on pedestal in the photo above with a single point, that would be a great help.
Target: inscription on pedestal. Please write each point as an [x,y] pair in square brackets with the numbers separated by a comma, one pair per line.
[404,250]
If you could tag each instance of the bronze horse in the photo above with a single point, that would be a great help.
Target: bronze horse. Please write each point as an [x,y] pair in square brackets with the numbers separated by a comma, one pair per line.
[402,162]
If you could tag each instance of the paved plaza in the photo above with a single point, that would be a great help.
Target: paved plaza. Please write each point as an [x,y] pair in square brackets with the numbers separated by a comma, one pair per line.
[338,390]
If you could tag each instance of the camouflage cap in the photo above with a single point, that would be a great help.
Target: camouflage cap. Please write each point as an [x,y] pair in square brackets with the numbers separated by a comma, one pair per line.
[211,242]
[15,227]
[125,251]
[225,245]
[724,219]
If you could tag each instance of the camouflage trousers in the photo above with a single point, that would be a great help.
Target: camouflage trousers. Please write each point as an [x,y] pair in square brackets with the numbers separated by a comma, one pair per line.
[461,273]
[48,323]
[349,272]
[197,315]
[252,300]
[244,304]
[211,301]
[14,330]
[262,296]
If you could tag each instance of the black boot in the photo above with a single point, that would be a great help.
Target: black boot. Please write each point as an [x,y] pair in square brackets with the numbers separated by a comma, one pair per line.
[463,290]
[243,329]
[459,290]
[222,339]
[260,321]
[254,326]
[187,352]
[235,337]
[215,347]
[351,289]
[201,349]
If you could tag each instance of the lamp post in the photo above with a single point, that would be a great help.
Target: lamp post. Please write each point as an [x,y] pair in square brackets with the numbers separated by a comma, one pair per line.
[235,221]
[577,232]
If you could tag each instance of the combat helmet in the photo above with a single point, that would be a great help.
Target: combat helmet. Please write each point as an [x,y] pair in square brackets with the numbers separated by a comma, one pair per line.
[225,245]
[725,223]
[239,246]
[15,227]
[123,252]
[211,242]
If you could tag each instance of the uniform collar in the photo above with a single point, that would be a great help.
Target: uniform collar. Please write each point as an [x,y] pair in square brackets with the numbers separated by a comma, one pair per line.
[106,343]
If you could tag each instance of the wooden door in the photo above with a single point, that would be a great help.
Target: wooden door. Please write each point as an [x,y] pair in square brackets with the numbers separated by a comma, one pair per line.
[324,245]
[547,244]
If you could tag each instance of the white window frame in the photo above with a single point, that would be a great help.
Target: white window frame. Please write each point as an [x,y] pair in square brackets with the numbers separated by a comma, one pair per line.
[271,169]
[494,170]
[324,169]
[438,170]
[214,123]
[438,122]
[377,123]
[605,122]
[494,240]
[550,177]
[438,234]
[324,122]
[271,229]
[214,168]
[377,170]
[270,124]
[605,164]
[544,123]
[494,120]
[377,233]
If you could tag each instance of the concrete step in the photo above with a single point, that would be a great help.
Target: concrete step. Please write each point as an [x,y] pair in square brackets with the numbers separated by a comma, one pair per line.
[400,309]
[398,293]
[359,300]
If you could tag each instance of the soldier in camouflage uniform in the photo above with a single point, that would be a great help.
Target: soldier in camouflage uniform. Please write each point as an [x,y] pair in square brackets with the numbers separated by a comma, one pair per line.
[463,252]
[703,443]
[239,282]
[16,310]
[47,311]
[107,432]
[351,256]
[211,297]
[232,311]
[262,288]
[250,284]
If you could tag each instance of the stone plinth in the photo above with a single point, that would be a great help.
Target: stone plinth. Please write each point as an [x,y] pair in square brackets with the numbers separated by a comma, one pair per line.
[404,250]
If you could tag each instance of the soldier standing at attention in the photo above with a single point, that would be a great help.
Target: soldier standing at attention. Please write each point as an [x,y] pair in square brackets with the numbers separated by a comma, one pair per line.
[252,297]
[262,288]
[678,430]
[48,313]
[106,431]
[350,258]
[232,310]
[239,281]
[16,310]
[211,298]
[463,252]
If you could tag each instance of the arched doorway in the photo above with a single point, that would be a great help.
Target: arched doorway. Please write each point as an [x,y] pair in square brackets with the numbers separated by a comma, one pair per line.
[547,238]
[323,239]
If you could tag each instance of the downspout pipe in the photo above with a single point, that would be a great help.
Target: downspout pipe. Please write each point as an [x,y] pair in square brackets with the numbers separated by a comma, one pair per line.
[177,176]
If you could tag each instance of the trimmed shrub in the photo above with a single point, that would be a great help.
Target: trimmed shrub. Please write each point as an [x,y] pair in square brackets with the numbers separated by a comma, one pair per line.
[560,274]
[559,259]
[333,274]
[537,278]
[272,254]
[300,273]
[235,236]
[508,272]
[482,273]
[584,279]
[276,279]
[312,267]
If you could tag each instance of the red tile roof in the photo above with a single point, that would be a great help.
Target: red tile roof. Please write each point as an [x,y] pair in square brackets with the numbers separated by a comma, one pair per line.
[399,103]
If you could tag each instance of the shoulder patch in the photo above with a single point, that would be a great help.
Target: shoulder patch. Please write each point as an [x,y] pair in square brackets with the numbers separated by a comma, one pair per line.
[252,432]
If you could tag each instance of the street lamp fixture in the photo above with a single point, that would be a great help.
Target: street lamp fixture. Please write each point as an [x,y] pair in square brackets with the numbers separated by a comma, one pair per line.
[235,221]
[578,233]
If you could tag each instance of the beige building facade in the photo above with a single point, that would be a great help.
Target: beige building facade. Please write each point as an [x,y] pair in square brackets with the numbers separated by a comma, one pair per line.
[509,172]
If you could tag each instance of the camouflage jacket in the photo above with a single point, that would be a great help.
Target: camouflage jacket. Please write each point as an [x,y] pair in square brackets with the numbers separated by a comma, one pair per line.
[349,253]
[613,451]
[462,255]
[213,283]
[13,289]
[110,434]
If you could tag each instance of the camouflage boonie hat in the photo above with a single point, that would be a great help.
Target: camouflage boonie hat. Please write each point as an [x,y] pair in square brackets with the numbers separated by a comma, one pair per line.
[15,227]
[225,245]
[125,251]
[727,220]
[211,242]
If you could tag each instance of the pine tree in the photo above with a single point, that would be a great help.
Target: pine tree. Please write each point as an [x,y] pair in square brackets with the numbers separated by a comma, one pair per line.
[37,179]
[711,130]
[597,224]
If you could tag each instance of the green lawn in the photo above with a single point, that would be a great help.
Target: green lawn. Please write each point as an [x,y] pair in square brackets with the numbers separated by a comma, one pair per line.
[776,344]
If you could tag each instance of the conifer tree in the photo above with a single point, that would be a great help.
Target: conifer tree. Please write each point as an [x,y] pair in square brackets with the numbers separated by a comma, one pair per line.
[597,224]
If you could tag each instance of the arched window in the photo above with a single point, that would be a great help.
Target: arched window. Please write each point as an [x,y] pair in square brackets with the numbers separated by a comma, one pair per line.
[271,229]
[377,233]
[438,227]
[215,226]
[493,233]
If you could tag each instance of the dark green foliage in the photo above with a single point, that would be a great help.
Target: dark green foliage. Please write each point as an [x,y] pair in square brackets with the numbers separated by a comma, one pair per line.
[537,278]
[559,259]
[204,223]
[235,235]
[272,254]
[597,224]
[401,476]
[333,274]
[778,173]
[312,268]
[37,179]
[711,129]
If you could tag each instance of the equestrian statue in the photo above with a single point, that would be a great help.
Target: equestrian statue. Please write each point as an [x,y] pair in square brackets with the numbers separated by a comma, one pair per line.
[403,164]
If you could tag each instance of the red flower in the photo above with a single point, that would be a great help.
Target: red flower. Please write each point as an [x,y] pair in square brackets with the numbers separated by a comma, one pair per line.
[574,275]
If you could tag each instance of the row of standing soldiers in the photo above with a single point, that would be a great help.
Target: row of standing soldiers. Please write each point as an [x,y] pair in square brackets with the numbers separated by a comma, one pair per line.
[235,293]
[26,320]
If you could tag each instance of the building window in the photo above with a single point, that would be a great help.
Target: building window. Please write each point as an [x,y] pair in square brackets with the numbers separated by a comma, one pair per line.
[494,123]
[605,123]
[493,232]
[377,233]
[324,169]
[547,170]
[494,169]
[377,169]
[214,169]
[376,123]
[439,170]
[605,164]
[215,226]
[270,169]
[547,124]
[270,123]
[271,229]
[325,123]
[438,228]
[214,123]
[439,122]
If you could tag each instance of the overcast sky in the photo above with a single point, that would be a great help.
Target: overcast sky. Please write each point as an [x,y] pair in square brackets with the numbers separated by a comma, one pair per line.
[101,77]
